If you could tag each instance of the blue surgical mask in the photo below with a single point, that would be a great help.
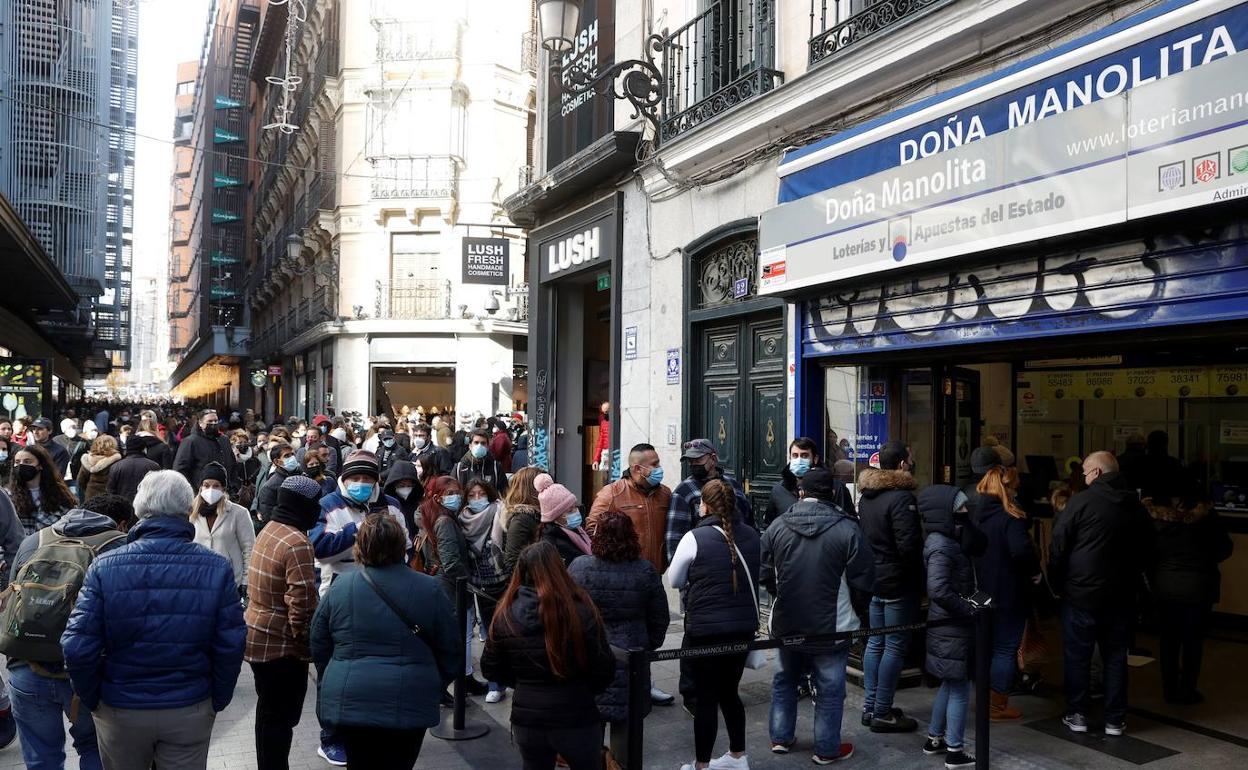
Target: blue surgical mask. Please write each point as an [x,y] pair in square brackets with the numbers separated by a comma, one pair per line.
[655,477]
[3,456]
[359,491]
[479,450]
[451,503]
[799,465]
[476,506]
[387,442]
[574,520]
[291,463]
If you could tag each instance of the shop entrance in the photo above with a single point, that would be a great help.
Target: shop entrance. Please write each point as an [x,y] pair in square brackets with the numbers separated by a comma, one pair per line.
[430,387]
[583,376]
[940,418]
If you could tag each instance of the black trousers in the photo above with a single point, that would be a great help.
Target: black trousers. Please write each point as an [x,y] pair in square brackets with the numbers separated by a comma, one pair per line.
[375,748]
[1182,645]
[280,688]
[580,747]
[715,683]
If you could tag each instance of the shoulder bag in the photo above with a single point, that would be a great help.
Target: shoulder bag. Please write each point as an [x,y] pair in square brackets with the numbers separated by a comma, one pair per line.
[755,659]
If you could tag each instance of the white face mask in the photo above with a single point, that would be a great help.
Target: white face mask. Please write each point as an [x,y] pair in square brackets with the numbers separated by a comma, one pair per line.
[339,433]
[403,492]
[71,432]
[212,495]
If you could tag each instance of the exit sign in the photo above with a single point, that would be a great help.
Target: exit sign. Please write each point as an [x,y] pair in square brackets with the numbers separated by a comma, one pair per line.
[604,282]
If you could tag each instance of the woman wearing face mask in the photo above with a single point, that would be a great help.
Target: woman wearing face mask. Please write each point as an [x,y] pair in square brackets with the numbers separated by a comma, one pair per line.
[6,460]
[39,494]
[561,520]
[445,549]
[803,455]
[521,516]
[149,443]
[93,478]
[76,447]
[500,443]
[483,529]
[246,468]
[314,468]
[221,525]
[404,483]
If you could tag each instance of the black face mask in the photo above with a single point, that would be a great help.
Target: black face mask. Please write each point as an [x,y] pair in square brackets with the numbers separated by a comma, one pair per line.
[26,473]
[699,473]
[211,430]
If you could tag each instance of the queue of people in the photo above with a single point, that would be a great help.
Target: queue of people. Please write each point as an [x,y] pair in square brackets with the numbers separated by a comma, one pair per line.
[347,555]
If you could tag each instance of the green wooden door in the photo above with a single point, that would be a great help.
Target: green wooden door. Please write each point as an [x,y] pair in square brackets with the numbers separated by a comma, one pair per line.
[740,401]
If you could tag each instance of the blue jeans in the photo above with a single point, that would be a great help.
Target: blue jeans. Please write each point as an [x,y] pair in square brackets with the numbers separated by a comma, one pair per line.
[1007,635]
[886,654]
[828,671]
[40,706]
[949,712]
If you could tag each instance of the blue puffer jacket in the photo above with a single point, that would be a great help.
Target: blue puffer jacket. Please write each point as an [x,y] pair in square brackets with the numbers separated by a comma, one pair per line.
[157,624]
[374,672]
[633,604]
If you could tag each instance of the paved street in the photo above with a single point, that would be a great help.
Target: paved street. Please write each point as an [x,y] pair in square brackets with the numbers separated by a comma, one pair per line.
[669,735]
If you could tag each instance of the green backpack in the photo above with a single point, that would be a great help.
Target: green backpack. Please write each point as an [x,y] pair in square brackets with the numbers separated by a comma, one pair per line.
[35,608]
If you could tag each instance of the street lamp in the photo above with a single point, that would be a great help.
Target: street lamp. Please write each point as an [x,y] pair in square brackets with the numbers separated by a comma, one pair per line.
[638,81]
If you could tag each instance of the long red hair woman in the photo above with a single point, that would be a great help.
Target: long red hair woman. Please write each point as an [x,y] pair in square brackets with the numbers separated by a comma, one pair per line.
[548,642]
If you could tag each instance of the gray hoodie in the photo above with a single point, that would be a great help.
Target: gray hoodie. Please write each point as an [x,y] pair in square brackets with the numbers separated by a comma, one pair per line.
[75,523]
[11,534]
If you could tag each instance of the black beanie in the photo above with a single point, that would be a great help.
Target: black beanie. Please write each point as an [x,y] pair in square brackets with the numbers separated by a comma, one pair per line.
[214,472]
[298,503]
[819,483]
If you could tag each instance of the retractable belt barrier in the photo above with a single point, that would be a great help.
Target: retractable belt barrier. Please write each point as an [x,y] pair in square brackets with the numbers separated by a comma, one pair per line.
[639,672]
[457,728]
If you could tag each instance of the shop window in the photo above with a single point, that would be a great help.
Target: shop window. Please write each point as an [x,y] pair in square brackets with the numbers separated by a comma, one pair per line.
[855,415]
[725,274]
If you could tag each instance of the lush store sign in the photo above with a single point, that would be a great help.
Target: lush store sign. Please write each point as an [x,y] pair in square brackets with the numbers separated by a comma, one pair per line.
[1156,126]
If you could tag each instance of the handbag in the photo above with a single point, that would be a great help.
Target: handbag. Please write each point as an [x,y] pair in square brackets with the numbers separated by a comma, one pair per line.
[754,659]
[406,620]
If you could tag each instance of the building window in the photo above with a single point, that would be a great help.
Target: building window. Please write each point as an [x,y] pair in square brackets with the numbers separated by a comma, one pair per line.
[725,274]
[186,88]
[185,128]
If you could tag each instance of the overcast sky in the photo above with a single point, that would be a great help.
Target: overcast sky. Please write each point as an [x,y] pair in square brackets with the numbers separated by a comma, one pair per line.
[170,31]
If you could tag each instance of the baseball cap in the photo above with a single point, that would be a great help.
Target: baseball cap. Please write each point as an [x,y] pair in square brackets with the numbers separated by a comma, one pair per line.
[42,422]
[698,448]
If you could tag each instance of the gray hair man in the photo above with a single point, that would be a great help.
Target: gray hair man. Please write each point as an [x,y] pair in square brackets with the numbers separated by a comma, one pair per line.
[167,612]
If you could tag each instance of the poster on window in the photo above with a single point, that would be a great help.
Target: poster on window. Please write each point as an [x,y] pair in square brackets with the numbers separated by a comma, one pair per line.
[574,121]
[22,387]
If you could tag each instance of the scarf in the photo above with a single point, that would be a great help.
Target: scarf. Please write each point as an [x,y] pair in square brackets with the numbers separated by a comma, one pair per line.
[579,539]
[477,526]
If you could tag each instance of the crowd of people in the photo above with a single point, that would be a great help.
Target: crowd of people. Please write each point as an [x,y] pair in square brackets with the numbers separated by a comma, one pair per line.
[182,544]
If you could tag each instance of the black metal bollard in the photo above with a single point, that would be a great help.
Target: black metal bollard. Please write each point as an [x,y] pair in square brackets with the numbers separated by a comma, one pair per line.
[983,687]
[459,729]
[638,693]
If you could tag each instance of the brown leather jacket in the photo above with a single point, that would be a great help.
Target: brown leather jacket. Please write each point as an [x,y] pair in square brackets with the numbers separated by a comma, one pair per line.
[647,510]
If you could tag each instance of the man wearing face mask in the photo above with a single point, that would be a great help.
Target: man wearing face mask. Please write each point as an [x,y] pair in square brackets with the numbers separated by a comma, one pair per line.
[41,429]
[205,445]
[285,465]
[803,456]
[478,463]
[641,497]
[428,453]
[389,451]
[358,494]
[75,445]
[685,509]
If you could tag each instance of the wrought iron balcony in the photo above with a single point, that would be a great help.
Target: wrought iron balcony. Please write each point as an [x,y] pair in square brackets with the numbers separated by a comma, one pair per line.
[723,57]
[839,24]
[410,299]
[417,176]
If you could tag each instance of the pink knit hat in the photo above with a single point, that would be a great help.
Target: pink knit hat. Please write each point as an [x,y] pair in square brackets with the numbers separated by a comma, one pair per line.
[555,499]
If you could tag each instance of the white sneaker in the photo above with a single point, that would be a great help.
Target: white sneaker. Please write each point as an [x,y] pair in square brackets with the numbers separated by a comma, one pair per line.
[660,698]
[495,696]
[729,762]
[689,766]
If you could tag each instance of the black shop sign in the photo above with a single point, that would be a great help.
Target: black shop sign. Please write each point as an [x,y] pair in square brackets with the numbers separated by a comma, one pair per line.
[486,260]
[575,121]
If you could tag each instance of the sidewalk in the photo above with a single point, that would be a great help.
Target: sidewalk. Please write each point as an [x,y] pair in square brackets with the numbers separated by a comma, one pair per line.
[1037,742]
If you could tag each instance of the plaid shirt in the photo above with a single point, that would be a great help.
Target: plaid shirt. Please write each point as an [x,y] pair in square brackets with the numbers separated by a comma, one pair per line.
[686,509]
[281,594]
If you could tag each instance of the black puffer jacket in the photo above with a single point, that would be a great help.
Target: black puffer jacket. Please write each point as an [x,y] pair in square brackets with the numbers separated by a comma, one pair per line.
[197,450]
[890,521]
[950,579]
[522,524]
[807,555]
[266,496]
[568,550]
[1102,543]
[452,558]
[1008,565]
[487,468]
[153,448]
[634,610]
[515,656]
[1191,543]
[712,608]
[784,497]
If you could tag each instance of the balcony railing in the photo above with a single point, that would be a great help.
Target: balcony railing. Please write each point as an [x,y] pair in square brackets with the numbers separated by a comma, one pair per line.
[401,40]
[418,176]
[723,57]
[838,24]
[414,299]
